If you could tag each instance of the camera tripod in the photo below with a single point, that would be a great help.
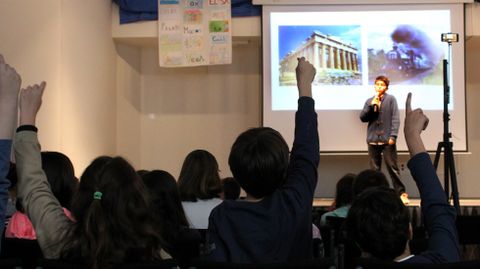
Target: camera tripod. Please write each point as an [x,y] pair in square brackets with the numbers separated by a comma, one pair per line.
[447,146]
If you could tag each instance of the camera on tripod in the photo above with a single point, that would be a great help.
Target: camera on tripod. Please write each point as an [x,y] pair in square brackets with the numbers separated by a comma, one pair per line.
[450,37]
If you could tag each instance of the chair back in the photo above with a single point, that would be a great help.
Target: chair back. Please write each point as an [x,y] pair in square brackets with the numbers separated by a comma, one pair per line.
[468,228]
[370,263]
[322,263]
[61,264]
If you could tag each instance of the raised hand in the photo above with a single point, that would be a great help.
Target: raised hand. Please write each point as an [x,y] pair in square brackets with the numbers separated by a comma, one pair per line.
[9,86]
[415,123]
[30,102]
[9,81]
[305,74]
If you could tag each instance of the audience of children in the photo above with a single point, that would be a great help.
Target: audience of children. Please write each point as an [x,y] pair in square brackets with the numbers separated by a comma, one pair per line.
[199,186]
[379,222]
[117,217]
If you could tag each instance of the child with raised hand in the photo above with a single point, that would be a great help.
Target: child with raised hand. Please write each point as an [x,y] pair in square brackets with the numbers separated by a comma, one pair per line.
[112,211]
[274,222]
[9,87]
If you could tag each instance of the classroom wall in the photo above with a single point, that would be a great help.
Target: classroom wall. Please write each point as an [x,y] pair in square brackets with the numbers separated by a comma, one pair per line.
[69,45]
[166,113]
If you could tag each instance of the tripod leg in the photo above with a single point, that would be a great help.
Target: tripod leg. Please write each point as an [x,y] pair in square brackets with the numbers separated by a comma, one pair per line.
[437,154]
[453,177]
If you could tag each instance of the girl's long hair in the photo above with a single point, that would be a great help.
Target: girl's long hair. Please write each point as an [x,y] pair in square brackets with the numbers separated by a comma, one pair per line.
[166,200]
[114,221]
[199,178]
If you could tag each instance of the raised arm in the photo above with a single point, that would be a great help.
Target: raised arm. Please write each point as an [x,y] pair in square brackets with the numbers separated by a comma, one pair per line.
[304,156]
[305,73]
[415,123]
[40,204]
[9,86]
[439,215]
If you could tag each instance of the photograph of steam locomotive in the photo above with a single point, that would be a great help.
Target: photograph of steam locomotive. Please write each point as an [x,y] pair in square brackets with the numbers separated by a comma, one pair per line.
[406,54]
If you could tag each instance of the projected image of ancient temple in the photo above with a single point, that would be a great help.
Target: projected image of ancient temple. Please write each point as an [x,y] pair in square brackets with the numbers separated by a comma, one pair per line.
[337,59]
[407,56]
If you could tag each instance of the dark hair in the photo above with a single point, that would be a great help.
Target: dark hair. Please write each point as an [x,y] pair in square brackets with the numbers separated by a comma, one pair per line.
[142,172]
[60,175]
[166,201]
[231,188]
[344,190]
[12,175]
[378,222]
[384,79]
[115,226]
[367,179]
[259,161]
[199,178]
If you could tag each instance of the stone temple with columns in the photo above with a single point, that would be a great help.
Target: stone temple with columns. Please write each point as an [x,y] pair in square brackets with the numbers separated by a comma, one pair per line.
[336,61]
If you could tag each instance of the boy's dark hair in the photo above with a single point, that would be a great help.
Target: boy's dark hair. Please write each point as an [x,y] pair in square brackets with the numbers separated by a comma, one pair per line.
[231,188]
[12,176]
[199,178]
[344,190]
[367,179]
[384,79]
[378,222]
[259,161]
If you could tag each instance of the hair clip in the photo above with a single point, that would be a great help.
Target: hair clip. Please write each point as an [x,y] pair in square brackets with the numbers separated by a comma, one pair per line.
[97,195]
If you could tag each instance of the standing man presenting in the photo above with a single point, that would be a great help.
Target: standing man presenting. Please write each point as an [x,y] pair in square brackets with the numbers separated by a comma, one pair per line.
[381,113]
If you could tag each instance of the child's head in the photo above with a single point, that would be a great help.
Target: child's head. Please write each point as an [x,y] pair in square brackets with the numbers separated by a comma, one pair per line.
[367,179]
[344,190]
[379,223]
[381,84]
[61,176]
[259,161]
[230,189]
[199,178]
[113,216]
[165,196]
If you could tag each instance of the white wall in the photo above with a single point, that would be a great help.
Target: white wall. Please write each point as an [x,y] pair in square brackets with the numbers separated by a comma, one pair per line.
[166,113]
[68,44]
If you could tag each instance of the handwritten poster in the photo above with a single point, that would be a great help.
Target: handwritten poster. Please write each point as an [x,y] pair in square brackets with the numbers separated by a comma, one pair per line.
[194,32]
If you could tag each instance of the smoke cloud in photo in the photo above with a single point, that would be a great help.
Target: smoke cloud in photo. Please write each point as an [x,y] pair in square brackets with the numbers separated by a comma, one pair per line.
[410,37]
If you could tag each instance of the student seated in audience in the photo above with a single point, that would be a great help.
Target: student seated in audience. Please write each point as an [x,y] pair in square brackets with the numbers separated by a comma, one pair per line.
[181,242]
[230,189]
[274,222]
[199,186]
[12,193]
[61,177]
[10,83]
[113,220]
[368,179]
[343,198]
[379,222]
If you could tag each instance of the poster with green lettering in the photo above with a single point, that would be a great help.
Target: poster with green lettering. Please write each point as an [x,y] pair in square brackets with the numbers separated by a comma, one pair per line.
[194,32]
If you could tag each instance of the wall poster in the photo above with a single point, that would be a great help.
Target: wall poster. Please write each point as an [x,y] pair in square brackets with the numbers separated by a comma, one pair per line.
[194,32]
